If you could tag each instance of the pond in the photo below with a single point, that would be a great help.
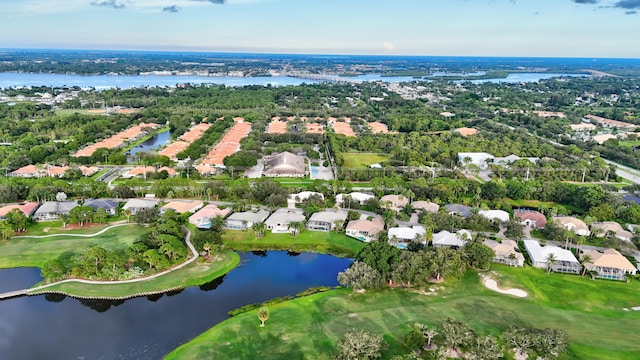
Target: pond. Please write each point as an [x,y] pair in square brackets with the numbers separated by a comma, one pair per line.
[59,327]
[151,144]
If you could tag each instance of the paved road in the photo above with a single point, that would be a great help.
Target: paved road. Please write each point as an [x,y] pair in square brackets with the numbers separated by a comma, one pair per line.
[626,172]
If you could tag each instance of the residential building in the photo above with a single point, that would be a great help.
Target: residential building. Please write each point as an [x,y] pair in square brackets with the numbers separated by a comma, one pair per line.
[602,138]
[606,227]
[143,171]
[508,160]
[425,206]
[326,220]
[406,234]
[304,195]
[355,196]
[365,230]
[284,164]
[582,127]
[563,260]
[573,224]
[52,210]
[88,170]
[182,206]
[109,205]
[135,205]
[202,218]
[28,171]
[609,123]
[609,264]
[534,219]
[506,252]
[458,209]
[27,209]
[495,215]
[455,240]
[280,221]
[479,159]
[245,220]
[394,202]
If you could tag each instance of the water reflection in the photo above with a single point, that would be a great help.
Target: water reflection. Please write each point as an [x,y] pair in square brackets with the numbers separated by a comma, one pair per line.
[58,327]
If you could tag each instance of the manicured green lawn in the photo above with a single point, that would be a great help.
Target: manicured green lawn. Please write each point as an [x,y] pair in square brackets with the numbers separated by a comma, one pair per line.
[549,204]
[17,252]
[359,160]
[314,241]
[55,227]
[629,143]
[191,275]
[590,311]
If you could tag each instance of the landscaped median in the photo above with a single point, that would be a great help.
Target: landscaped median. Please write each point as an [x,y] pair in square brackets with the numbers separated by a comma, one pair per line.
[309,241]
[596,314]
[191,275]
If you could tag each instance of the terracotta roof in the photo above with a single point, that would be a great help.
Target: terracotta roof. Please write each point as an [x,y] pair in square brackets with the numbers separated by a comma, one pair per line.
[378,128]
[183,206]
[115,140]
[56,170]
[277,127]
[372,227]
[27,208]
[569,220]
[88,170]
[29,169]
[229,144]
[314,128]
[343,129]
[209,211]
[426,206]
[536,216]
[611,259]
[465,131]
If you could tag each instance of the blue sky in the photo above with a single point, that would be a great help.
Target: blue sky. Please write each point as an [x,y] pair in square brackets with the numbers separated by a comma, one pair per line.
[573,28]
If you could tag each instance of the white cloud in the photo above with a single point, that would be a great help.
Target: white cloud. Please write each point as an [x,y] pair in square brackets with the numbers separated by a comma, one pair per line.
[36,7]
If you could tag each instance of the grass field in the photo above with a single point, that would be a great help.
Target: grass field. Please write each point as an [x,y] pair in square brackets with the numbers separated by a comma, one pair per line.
[313,241]
[629,143]
[55,227]
[17,252]
[73,111]
[549,204]
[590,311]
[360,160]
[191,275]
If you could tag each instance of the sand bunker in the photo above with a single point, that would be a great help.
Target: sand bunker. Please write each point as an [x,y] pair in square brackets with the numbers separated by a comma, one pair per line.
[493,285]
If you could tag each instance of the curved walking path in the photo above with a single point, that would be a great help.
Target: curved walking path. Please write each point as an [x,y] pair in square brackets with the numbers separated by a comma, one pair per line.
[103,282]
[71,235]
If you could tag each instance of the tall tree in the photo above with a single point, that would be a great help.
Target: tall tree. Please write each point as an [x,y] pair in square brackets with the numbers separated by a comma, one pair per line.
[361,345]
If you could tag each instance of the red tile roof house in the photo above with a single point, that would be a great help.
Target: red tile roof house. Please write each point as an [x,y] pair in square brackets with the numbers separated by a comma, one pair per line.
[28,171]
[27,209]
[202,218]
[535,219]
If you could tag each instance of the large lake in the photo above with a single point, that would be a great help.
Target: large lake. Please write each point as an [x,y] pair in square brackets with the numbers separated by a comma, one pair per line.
[58,327]
[101,82]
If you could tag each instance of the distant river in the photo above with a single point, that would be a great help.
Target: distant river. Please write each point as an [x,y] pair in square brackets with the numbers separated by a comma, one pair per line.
[101,82]
[58,327]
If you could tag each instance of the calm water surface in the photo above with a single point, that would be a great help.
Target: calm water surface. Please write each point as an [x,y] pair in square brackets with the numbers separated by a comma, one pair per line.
[57,327]
[152,144]
[101,82]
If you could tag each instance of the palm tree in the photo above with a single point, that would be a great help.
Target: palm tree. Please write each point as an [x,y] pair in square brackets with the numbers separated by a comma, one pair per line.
[296,227]
[338,224]
[127,213]
[258,229]
[207,247]
[512,259]
[551,260]
[585,260]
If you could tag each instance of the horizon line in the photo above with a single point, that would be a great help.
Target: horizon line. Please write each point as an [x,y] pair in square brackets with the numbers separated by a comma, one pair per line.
[258,52]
